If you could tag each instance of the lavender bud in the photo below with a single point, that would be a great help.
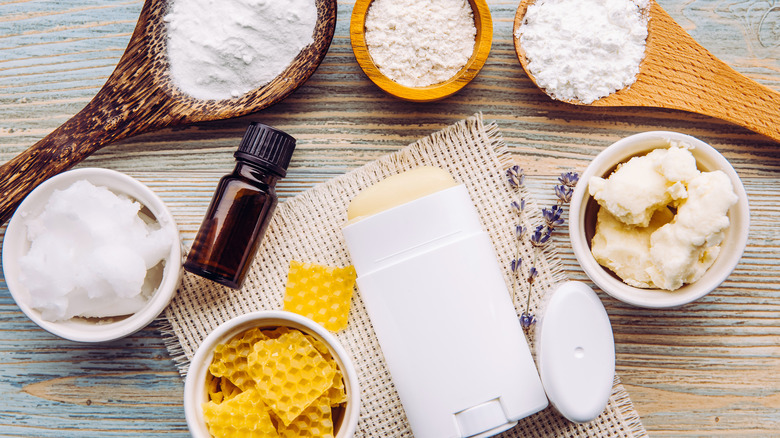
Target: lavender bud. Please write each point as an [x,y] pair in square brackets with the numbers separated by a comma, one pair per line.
[540,236]
[569,179]
[527,320]
[515,176]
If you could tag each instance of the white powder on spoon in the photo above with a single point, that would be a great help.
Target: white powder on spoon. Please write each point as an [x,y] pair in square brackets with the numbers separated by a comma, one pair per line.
[583,50]
[221,49]
[417,43]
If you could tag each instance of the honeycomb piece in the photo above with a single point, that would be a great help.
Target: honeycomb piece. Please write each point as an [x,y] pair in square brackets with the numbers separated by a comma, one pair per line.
[230,358]
[229,390]
[293,374]
[320,346]
[243,416]
[274,333]
[213,388]
[321,293]
[316,421]
[253,335]
[337,393]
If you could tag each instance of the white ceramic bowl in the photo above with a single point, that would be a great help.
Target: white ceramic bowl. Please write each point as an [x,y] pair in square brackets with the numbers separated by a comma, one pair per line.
[195,386]
[15,245]
[583,212]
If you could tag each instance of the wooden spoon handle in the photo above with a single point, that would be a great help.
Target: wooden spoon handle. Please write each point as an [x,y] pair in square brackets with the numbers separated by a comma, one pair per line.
[95,126]
[739,100]
[679,73]
[697,81]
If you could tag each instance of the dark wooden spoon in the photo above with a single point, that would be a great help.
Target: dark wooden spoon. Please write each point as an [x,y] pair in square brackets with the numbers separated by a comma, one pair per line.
[139,97]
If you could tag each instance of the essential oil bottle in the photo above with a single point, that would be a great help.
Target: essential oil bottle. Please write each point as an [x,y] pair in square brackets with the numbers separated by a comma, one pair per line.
[241,208]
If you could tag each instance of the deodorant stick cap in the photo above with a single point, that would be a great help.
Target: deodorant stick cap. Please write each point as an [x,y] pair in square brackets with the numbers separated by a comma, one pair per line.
[576,354]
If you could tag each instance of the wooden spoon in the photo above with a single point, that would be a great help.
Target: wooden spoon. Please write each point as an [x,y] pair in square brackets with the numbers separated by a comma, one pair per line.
[139,97]
[678,73]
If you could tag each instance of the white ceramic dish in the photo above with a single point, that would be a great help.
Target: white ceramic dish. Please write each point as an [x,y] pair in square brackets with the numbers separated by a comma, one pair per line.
[15,245]
[195,386]
[583,219]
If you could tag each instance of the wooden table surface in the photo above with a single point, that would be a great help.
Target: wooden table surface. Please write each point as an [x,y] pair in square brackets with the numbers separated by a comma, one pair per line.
[710,368]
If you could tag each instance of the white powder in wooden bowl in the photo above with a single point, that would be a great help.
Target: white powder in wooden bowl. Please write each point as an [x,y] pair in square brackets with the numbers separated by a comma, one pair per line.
[417,43]
[583,50]
[224,49]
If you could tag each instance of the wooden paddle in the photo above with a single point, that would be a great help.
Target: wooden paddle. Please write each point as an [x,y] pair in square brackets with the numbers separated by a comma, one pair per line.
[678,73]
[139,97]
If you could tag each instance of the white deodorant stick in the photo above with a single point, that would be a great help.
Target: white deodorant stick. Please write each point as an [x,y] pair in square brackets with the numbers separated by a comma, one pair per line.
[436,296]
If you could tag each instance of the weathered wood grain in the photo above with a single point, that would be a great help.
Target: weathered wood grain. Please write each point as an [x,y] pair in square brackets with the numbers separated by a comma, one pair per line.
[711,368]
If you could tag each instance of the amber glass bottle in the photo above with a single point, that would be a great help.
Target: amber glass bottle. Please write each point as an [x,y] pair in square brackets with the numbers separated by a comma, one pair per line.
[241,207]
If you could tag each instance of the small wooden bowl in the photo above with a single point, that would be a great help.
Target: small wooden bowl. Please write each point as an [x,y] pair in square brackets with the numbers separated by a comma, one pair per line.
[484,40]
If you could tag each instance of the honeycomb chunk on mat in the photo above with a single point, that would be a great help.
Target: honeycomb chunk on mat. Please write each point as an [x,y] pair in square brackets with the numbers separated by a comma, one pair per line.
[230,358]
[243,416]
[291,374]
[320,293]
[316,421]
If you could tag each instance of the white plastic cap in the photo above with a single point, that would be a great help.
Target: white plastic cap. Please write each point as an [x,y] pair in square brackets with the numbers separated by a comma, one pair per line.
[576,354]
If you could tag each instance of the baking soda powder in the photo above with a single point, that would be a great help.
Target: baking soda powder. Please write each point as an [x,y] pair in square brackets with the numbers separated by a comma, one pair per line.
[221,49]
[583,50]
[417,43]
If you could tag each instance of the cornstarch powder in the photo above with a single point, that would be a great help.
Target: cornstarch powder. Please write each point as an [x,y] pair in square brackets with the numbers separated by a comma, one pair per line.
[583,50]
[417,43]
[221,49]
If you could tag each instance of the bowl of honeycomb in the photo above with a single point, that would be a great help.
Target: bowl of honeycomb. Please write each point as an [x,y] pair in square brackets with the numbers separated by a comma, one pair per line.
[271,374]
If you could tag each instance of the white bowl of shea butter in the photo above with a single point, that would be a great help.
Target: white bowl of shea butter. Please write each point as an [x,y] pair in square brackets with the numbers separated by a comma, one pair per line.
[584,210]
[159,282]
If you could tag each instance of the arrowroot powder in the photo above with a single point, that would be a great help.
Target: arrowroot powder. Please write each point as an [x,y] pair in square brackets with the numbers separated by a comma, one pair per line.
[583,50]
[418,43]
[222,49]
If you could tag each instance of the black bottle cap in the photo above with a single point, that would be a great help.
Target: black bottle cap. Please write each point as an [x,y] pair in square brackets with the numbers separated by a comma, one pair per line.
[266,147]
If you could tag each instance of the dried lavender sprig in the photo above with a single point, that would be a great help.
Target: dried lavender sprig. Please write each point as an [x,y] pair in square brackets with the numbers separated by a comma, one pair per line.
[563,193]
[518,206]
[569,179]
[540,236]
[527,319]
[515,176]
[552,217]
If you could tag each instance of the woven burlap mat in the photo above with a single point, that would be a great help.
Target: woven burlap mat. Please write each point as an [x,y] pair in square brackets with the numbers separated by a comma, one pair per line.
[308,228]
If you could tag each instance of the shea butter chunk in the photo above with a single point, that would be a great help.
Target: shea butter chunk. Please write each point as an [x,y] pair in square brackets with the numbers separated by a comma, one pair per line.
[625,250]
[643,185]
[686,247]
